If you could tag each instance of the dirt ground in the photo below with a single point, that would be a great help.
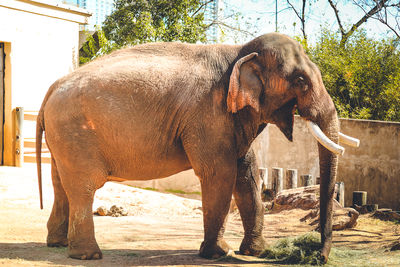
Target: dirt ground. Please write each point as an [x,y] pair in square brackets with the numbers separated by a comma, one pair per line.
[160,229]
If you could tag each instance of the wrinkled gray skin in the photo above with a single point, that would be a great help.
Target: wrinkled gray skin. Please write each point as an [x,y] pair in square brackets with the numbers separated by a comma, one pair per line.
[153,110]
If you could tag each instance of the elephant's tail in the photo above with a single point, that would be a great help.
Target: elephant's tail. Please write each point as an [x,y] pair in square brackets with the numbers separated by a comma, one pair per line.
[40,128]
[39,135]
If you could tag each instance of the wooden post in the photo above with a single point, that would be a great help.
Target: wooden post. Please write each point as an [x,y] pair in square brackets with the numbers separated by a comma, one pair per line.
[306,180]
[264,178]
[18,138]
[359,198]
[291,178]
[340,193]
[277,180]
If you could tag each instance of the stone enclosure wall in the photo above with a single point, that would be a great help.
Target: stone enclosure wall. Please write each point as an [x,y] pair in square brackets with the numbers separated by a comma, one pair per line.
[373,167]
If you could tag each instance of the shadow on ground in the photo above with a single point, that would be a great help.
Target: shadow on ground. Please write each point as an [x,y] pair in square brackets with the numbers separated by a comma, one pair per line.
[36,252]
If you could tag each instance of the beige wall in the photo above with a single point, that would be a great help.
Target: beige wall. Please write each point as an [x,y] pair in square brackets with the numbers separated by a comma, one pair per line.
[274,150]
[373,167]
[41,46]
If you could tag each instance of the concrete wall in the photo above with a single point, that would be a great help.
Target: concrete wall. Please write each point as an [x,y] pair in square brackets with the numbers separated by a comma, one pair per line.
[274,150]
[373,167]
[41,45]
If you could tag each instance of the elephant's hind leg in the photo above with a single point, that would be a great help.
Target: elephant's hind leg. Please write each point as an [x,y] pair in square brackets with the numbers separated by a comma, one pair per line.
[81,179]
[248,199]
[57,224]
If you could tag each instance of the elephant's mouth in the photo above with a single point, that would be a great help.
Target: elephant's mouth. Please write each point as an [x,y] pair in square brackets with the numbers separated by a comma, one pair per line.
[284,119]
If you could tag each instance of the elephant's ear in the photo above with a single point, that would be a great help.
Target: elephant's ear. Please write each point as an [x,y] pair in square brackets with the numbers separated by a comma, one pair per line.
[244,85]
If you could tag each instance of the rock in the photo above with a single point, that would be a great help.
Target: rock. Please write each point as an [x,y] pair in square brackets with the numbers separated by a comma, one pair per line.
[395,246]
[369,208]
[114,211]
[307,198]
[387,215]
[233,207]
[101,211]
[123,211]
[267,195]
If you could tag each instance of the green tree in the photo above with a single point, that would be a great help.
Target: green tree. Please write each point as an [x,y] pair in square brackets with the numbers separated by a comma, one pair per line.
[96,45]
[141,21]
[363,77]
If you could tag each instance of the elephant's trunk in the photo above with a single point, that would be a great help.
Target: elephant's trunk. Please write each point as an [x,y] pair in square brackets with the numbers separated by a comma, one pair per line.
[328,162]
[324,124]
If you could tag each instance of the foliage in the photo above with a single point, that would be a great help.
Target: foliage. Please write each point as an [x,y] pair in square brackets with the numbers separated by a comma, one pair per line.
[96,45]
[363,78]
[140,21]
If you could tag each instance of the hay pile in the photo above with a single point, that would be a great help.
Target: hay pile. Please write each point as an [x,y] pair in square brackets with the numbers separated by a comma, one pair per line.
[303,249]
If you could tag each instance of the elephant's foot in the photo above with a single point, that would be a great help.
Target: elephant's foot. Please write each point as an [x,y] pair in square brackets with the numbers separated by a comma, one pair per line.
[85,252]
[324,256]
[214,250]
[57,240]
[252,246]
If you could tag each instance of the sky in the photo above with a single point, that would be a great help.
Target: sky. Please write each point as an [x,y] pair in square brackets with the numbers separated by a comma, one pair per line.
[259,17]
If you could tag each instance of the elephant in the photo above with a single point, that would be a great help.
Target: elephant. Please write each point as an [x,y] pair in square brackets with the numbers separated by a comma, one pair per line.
[156,109]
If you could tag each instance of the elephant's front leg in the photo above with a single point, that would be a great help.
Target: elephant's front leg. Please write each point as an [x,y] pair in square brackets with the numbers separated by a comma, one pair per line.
[248,199]
[211,150]
[216,197]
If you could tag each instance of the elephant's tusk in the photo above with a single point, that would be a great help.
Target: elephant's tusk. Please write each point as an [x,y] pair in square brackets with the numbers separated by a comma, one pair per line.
[348,140]
[324,140]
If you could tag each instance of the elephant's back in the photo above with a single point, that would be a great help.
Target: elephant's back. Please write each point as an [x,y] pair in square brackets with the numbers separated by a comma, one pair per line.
[133,104]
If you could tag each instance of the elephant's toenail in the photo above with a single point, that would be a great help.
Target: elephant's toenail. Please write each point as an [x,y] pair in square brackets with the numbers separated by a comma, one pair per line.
[96,256]
[83,257]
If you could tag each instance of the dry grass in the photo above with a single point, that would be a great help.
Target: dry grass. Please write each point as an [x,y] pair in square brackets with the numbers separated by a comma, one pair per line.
[304,250]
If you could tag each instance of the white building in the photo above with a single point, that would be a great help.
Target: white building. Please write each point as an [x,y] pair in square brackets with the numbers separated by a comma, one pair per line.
[38,44]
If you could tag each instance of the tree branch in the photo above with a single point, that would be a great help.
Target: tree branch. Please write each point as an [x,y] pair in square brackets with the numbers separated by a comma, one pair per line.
[294,9]
[303,20]
[383,18]
[215,22]
[345,35]
[301,17]
[337,16]
[201,6]
[369,14]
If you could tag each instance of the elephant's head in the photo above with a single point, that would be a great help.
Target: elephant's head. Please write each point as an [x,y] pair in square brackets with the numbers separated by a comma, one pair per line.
[275,77]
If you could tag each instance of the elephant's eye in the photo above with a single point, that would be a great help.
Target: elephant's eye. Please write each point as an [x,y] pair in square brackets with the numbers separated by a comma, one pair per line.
[300,82]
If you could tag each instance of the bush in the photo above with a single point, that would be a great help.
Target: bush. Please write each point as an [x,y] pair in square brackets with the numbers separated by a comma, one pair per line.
[363,79]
